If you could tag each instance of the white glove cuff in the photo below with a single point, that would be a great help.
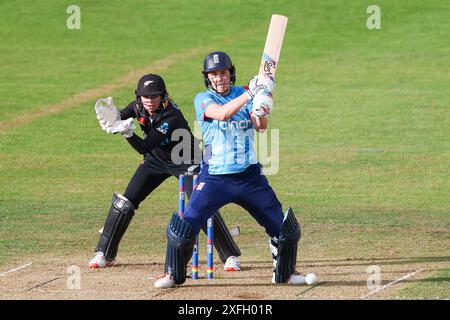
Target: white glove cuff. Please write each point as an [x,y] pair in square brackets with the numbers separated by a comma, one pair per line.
[128,134]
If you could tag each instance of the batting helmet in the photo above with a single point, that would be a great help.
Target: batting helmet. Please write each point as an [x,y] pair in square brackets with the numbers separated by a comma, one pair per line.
[218,60]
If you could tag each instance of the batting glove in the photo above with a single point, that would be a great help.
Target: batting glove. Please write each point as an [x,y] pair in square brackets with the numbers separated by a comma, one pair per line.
[260,83]
[262,104]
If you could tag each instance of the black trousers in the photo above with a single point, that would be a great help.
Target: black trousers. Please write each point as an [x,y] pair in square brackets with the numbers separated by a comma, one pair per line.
[152,171]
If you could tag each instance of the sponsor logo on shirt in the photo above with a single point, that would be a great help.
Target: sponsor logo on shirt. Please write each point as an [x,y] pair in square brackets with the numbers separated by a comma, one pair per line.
[163,128]
[234,124]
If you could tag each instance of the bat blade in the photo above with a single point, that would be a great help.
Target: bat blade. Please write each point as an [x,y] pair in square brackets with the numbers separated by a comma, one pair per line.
[272,48]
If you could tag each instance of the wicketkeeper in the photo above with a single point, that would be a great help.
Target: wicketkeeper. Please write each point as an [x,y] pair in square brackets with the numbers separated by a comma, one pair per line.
[158,117]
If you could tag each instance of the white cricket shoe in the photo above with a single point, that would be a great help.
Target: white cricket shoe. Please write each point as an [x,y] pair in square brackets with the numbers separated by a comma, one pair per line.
[165,282]
[295,278]
[100,261]
[232,264]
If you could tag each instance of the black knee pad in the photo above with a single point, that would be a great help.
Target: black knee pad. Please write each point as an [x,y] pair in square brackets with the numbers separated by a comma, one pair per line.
[223,241]
[287,247]
[180,245]
[119,217]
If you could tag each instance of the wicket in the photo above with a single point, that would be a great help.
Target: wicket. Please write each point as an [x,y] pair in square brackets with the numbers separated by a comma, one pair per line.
[209,235]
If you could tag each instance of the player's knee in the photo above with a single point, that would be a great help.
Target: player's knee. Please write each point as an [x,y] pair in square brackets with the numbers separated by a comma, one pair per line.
[193,220]
[131,198]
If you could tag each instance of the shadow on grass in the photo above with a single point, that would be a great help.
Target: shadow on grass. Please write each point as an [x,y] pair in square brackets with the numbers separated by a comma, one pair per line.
[268,283]
[436,279]
[345,273]
[336,283]
[143,264]
[348,262]
[372,260]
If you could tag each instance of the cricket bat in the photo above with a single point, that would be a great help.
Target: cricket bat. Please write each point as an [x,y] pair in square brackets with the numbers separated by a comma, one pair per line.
[272,48]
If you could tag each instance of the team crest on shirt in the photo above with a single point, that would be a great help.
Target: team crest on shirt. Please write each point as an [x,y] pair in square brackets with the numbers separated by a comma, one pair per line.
[163,128]
[200,186]
[204,103]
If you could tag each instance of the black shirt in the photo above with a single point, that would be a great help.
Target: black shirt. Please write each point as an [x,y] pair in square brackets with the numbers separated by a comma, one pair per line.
[158,129]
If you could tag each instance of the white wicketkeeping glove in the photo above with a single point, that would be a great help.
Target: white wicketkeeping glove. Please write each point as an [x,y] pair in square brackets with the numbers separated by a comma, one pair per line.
[262,104]
[260,83]
[106,112]
[124,127]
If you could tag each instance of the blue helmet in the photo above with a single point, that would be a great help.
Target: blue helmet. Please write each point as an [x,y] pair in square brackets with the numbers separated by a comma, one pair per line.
[218,60]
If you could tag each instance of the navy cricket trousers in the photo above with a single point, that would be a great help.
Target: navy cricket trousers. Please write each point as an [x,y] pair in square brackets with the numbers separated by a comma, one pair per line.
[249,189]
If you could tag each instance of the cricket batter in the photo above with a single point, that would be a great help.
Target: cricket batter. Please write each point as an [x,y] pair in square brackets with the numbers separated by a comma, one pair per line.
[231,174]
[158,117]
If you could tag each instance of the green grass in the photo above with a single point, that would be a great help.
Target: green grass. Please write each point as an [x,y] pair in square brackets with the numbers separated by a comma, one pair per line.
[363,118]
[431,288]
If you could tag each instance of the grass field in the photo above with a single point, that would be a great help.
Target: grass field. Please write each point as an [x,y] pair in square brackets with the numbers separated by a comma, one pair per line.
[363,117]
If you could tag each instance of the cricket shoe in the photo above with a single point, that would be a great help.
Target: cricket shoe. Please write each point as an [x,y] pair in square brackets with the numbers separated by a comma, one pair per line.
[99,261]
[164,282]
[295,278]
[232,264]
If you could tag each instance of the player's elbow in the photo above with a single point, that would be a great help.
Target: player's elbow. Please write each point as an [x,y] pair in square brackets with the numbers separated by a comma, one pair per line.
[223,117]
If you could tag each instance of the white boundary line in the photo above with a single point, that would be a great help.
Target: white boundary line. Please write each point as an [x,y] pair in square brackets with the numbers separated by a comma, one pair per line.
[15,269]
[391,284]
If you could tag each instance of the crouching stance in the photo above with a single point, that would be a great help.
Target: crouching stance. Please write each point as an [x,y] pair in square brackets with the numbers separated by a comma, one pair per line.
[158,117]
